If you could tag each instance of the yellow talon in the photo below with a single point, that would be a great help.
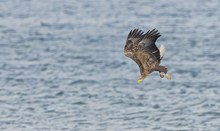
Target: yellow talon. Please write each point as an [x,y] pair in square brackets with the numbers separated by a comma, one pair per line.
[168,76]
[161,75]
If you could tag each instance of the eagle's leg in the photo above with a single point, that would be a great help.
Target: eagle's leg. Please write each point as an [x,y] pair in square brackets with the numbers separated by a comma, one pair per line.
[163,69]
[161,74]
[168,76]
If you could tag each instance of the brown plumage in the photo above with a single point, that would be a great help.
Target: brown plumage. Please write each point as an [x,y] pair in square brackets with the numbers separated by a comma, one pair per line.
[141,48]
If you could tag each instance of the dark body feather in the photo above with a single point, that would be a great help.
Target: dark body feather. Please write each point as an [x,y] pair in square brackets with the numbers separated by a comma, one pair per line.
[141,48]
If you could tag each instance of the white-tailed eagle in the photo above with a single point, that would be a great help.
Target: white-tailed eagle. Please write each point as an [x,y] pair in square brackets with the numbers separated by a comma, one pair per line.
[141,48]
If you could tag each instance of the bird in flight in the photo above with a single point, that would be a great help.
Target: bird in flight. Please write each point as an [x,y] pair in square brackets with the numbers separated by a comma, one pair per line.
[141,48]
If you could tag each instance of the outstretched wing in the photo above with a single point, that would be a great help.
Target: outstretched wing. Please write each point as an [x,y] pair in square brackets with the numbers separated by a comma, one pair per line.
[131,46]
[147,43]
[140,46]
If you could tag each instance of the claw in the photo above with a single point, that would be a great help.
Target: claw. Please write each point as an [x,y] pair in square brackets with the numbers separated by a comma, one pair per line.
[161,75]
[168,76]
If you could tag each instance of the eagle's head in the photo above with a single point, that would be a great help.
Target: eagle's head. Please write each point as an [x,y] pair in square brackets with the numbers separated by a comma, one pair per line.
[142,77]
[139,81]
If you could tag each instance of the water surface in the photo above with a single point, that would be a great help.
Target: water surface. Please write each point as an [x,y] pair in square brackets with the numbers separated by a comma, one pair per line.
[62,66]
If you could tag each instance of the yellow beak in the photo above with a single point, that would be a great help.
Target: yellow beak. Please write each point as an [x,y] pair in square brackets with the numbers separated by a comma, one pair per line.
[139,81]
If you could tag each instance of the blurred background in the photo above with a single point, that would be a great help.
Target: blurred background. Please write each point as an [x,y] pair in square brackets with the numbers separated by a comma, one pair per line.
[62,66]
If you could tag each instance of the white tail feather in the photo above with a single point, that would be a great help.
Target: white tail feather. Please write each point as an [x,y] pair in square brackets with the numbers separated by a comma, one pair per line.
[162,51]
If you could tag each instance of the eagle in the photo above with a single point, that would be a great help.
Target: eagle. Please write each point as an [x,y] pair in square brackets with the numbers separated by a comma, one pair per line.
[141,48]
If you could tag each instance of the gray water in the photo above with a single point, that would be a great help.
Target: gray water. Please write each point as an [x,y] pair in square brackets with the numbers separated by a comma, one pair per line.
[62,66]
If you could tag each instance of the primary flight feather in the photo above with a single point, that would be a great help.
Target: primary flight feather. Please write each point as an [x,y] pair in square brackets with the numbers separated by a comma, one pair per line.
[141,48]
